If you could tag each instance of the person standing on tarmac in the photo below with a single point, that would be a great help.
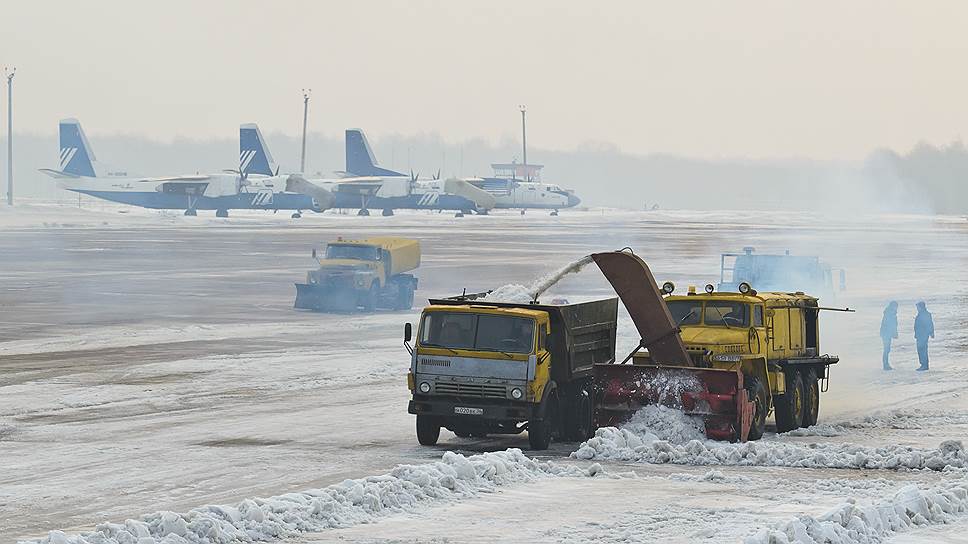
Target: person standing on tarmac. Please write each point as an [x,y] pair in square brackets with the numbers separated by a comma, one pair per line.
[923,329]
[889,331]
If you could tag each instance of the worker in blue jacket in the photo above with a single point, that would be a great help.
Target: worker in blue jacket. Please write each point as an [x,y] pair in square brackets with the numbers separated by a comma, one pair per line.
[923,330]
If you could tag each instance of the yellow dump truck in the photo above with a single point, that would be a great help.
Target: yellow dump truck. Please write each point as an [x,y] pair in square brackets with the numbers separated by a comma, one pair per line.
[730,357]
[481,367]
[367,273]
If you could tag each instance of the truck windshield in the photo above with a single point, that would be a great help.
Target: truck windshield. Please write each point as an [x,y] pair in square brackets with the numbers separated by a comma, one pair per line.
[477,331]
[722,313]
[685,312]
[356,253]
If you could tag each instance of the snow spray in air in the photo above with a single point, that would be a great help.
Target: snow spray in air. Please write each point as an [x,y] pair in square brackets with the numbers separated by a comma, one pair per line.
[524,294]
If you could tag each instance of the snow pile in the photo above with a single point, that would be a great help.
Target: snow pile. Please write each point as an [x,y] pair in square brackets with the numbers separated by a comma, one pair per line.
[823,429]
[405,489]
[511,292]
[522,294]
[852,523]
[657,435]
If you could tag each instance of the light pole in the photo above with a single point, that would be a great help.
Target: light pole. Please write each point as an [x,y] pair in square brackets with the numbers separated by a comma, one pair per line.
[9,73]
[524,143]
[302,159]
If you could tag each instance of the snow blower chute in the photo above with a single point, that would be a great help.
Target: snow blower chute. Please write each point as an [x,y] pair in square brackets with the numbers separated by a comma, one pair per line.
[669,373]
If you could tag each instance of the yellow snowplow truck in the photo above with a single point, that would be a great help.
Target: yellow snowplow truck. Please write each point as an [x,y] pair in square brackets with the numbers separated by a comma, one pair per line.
[366,273]
[481,367]
[730,357]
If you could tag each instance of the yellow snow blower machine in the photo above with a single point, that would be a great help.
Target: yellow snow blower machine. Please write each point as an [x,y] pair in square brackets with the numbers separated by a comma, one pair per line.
[729,357]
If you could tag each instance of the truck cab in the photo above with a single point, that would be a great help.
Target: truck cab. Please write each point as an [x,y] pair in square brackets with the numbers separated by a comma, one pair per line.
[502,368]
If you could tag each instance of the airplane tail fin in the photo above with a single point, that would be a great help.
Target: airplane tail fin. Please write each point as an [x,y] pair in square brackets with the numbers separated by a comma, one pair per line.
[76,157]
[359,157]
[254,156]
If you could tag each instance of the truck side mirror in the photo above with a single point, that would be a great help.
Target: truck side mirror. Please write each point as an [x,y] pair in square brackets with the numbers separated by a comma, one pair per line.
[770,312]
[407,332]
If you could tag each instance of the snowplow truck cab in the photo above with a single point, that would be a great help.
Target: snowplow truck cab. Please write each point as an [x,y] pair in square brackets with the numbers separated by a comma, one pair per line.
[730,357]
[480,368]
[367,273]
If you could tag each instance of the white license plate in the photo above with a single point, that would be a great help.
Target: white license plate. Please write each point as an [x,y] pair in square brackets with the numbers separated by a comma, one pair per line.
[468,411]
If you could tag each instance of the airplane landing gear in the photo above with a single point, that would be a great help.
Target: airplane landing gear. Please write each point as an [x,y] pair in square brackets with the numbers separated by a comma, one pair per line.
[482,212]
[522,211]
[297,214]
[363,212]
[459,213]
[387,212]
[219,213]
[190,213]
[554,213]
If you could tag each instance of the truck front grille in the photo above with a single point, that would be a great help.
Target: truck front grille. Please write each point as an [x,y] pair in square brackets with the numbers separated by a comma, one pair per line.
[485,391]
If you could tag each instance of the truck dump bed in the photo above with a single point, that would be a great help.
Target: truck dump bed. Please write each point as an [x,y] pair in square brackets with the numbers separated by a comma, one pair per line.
[582,334]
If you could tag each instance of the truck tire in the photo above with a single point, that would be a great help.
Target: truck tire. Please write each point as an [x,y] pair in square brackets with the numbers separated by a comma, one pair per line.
[811,398]
[789,406]
[582,424]
[405,296]
[756,392]
[369,302]
[540,433]
[428,430]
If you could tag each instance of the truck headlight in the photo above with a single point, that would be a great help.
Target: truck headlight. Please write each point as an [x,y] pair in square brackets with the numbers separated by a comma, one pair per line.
[516,394]
[424,387]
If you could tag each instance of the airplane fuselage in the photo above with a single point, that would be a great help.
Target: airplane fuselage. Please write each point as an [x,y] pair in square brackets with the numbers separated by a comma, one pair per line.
[217,192]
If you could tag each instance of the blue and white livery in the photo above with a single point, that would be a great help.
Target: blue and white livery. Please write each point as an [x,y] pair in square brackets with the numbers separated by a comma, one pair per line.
[367,185]
[79,172]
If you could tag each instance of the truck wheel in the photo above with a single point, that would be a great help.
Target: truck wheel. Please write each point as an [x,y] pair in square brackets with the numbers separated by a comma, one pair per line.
[756,392]
[811,398]
[582,424]
[789,406]
[369,303]
[541,432]
[405,296]
[428,430]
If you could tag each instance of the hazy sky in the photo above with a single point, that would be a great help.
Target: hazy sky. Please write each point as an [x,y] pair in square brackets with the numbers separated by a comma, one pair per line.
[703,79]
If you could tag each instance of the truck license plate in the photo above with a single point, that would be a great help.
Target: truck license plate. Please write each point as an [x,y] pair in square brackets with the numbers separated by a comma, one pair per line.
[468,411]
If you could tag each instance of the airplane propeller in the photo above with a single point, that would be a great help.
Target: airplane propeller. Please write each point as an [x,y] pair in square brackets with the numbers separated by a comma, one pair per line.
[413,177]
[437,175]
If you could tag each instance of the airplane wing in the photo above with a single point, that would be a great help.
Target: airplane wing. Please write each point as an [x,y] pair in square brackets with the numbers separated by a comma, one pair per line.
[175,179]
[359,185]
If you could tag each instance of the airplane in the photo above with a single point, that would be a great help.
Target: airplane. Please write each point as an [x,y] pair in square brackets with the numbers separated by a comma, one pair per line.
[81,173]
[516,185]
[508,190]
[366,185]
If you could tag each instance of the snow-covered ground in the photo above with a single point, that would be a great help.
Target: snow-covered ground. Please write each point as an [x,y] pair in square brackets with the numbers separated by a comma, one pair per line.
[151,362]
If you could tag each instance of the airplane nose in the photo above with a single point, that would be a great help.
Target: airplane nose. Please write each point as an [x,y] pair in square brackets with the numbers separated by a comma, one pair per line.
[573,200]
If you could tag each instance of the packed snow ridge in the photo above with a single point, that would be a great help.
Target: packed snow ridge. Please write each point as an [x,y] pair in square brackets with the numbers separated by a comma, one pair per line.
[521,294]
[657,434]
[406,489]
[852,523]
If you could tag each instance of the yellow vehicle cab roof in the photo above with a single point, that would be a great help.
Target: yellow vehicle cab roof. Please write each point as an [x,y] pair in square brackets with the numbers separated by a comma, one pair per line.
[771,298]
[485,309]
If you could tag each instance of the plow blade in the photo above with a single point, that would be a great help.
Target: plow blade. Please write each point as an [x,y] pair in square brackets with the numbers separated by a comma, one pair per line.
[715,395]
[319,298]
